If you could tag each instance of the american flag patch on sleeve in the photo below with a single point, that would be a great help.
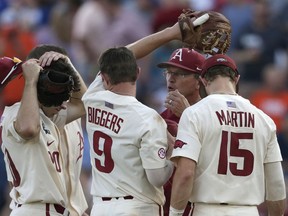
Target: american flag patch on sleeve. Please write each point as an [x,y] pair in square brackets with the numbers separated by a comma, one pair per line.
[231,104]
[110,105]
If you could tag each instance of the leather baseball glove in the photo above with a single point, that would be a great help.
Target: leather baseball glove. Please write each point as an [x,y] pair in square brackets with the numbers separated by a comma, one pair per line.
[211,37]
[54,87]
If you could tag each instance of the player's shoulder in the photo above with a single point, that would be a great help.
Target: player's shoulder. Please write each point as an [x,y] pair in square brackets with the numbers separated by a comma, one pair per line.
[263,116]
[200,105]
[93,88]
[10,113]
[146,113]
[12,108]
[144,110]
[218,101]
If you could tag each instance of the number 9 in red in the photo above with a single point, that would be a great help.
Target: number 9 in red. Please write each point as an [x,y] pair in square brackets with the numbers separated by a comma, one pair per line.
[102,144]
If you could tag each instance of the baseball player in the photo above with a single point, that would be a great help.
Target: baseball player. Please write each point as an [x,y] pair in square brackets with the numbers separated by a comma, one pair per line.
[32,128]
[226,152]
[72,143]
[128,141]
[72,147]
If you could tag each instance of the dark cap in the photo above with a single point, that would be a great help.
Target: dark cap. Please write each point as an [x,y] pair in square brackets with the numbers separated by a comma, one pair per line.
[9,68]
[185,58]
[218,59]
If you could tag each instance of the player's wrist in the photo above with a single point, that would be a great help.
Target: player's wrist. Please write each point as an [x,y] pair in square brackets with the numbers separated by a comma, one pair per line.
[172,33]
[175,212]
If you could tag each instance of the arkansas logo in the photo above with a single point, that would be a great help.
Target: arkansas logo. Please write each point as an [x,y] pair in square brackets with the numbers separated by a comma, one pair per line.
[179,144]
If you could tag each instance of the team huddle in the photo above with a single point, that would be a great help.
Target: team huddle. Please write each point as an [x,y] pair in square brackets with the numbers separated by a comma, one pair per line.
[211,152]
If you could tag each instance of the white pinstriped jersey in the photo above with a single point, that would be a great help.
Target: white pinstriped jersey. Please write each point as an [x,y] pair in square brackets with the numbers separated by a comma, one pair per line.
[51,163]
[72,147]
[230,139]
[125,138]
[40,177]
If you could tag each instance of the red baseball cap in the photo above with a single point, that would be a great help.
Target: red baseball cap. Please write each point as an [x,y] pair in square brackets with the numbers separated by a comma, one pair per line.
[185,58]
[218,59]
[9,68]
[12,92]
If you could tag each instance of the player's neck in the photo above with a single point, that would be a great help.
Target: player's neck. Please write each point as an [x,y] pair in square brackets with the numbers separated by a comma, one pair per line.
[224,92]
[194,99]
[221,86]
[227,90]
[127,89]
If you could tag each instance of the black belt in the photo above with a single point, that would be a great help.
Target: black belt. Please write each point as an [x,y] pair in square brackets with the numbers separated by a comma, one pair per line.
[18,205]
[59,208]
[110,198]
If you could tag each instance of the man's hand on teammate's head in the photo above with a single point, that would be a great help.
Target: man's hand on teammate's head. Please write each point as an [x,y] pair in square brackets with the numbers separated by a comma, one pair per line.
[176,102]
[48,57]
[31,70]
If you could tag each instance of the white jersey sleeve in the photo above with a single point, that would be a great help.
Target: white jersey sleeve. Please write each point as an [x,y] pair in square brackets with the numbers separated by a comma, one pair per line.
[184,131]
[95,86]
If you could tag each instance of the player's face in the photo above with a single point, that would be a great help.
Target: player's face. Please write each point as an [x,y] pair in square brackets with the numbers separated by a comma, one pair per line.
[184,81]
[53,110]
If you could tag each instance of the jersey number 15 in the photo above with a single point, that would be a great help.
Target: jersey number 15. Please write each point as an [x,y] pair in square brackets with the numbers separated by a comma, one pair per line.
[235,151]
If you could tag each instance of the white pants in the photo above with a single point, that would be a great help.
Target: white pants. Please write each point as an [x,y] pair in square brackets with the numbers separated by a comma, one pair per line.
[121,207]
[201,209]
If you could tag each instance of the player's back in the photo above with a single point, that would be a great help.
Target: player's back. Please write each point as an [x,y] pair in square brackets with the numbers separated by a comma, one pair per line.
[126,137]
[236,140]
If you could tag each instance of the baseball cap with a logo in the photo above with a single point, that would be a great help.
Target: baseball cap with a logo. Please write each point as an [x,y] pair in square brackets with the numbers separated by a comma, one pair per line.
[218,59]
[184,58]
[9,68]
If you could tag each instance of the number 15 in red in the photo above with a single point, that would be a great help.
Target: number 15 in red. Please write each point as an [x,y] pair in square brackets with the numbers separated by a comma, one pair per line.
[235,151]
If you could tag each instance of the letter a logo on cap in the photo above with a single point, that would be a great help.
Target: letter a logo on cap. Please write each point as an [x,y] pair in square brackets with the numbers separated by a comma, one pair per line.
[178,55]
[221,60]
[186,59]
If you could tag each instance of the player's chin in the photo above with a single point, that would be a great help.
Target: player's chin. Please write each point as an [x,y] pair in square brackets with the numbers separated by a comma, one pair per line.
[55,110]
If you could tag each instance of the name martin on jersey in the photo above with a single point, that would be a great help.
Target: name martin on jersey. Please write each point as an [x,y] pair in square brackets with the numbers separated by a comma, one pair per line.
[236,118]
[104,119]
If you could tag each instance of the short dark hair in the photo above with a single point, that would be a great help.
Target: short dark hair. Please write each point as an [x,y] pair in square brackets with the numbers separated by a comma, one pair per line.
[220,70]
[39,50]
[119,64]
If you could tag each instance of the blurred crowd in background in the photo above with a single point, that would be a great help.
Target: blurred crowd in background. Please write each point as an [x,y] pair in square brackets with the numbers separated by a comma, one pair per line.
[85,28]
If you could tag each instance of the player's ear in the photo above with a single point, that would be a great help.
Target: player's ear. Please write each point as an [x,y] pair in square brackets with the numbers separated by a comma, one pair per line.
[237,83]
[105,79]
[202,84]
[237,79]
[138,72]
[199,82]
[203,81]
